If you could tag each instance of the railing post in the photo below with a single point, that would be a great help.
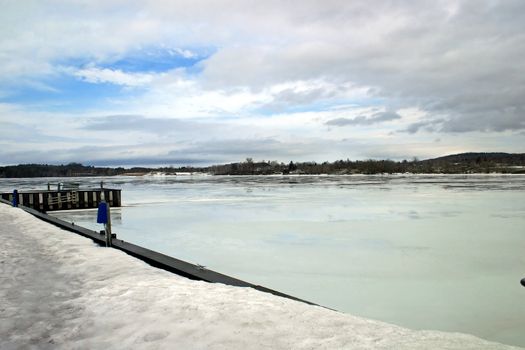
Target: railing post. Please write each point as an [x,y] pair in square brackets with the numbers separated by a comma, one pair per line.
[104,217]
[109,236]
[15,198]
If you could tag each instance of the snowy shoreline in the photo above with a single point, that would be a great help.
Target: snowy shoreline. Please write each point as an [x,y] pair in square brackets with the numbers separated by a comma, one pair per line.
[61,291]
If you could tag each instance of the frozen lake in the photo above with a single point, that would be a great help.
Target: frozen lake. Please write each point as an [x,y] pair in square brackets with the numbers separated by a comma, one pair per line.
[442,252]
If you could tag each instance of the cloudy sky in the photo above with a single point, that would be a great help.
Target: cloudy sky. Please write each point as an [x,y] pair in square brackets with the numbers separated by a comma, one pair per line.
[122,82]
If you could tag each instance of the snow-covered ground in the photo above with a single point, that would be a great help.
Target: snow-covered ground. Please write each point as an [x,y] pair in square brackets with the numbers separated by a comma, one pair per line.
[61,291]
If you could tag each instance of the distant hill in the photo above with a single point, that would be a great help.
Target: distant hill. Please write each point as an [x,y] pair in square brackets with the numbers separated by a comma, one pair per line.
[463,163]
[500,157]
[478,162]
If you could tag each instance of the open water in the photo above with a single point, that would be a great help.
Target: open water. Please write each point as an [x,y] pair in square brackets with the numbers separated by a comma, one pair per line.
[443,252]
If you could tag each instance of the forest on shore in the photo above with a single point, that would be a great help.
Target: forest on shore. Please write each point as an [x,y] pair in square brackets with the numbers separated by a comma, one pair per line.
[464,163]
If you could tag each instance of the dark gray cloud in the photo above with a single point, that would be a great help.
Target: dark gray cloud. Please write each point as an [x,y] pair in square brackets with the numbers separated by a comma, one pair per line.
[124,155]
[432,125]
[148,162]
[376,118]
[168,130]
[506,119]
[490,121]
[292,98]
[204,152]
[23,134]
[234,148]
[143,124]
[237,149]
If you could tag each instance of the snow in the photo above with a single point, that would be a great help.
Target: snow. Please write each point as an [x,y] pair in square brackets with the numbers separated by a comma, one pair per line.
[61,291]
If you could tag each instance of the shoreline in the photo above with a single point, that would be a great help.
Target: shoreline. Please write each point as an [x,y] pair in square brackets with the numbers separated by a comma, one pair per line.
[207,175]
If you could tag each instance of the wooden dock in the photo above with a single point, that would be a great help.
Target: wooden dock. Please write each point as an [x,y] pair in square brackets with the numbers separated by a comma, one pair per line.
[65,199]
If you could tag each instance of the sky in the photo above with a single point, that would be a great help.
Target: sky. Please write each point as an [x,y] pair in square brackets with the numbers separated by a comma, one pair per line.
[125,83]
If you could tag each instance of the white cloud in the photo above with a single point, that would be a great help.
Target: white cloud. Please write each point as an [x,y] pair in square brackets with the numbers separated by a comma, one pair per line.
[104,75]
[183,52]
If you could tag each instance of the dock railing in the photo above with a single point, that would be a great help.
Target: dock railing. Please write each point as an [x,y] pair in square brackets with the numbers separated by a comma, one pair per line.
[67,197]
[63,186]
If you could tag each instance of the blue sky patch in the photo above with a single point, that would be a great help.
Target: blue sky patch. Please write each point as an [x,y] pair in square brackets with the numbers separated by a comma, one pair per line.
[70,94]
[152,60]
[156,60]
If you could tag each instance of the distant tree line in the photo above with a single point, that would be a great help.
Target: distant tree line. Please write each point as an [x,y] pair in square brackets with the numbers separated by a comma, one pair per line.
[453,164]
[46,170]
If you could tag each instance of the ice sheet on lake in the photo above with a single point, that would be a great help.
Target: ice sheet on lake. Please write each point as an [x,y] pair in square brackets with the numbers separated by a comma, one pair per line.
[60,291]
